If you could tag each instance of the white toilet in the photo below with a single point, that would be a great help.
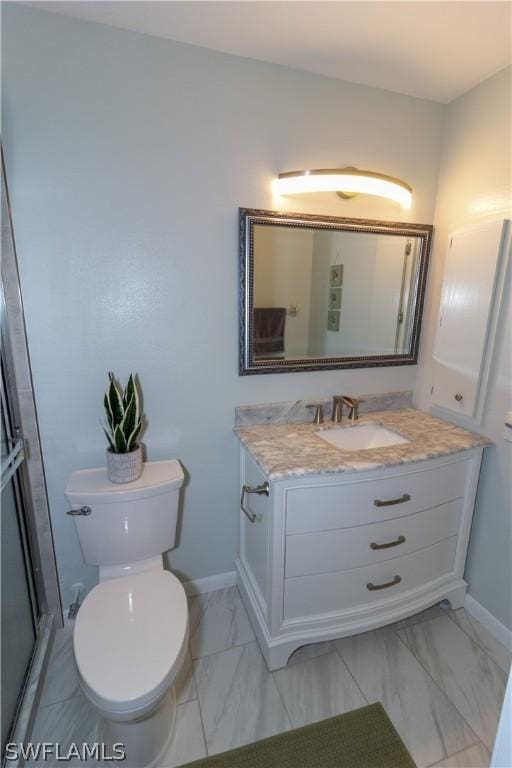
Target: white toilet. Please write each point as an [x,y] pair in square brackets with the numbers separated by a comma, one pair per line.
[130,635]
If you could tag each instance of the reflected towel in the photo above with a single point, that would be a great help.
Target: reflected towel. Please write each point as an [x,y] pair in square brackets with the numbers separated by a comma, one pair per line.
[269,323]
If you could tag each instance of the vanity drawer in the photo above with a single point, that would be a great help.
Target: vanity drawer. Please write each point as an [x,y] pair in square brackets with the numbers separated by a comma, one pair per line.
[344,548]
[307,596]
[327,507]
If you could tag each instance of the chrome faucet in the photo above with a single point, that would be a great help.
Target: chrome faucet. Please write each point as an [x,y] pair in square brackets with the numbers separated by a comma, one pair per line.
[338,401]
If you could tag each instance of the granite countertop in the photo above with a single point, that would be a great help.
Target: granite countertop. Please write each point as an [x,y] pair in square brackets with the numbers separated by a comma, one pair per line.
[293,449]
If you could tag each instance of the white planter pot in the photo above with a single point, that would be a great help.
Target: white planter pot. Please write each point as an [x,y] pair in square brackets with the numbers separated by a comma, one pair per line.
[124,467]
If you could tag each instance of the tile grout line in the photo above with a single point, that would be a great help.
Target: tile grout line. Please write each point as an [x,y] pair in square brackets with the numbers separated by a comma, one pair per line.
[229,691]
[42,705]
[459,752]
[298,664]
[229,648]
[209,655]
[238,645]
[478,739]
[394,624]
[204,605]
[186,701]
[223,650]
[281,697]
[475,642]
[199,706]
[350,673]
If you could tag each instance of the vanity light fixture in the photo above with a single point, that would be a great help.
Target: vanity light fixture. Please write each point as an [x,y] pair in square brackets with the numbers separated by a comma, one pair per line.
[346,182]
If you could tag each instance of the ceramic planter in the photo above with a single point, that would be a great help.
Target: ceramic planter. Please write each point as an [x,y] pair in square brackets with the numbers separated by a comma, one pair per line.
[124,467]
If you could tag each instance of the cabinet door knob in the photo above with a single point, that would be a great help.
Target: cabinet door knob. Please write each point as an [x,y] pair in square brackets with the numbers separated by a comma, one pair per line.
[459,397]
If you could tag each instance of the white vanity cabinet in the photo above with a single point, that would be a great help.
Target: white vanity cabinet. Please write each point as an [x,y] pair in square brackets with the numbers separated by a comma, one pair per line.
[337,554]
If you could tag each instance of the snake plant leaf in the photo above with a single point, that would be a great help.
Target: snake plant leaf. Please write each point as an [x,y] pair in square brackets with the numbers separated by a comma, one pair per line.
[131,443]
[109,439]
[129,392]
[119,440]
[130,418]
[124,421]
[108,411]
[115,402]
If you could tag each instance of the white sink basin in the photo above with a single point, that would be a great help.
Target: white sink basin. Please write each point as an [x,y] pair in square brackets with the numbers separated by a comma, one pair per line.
[360,438]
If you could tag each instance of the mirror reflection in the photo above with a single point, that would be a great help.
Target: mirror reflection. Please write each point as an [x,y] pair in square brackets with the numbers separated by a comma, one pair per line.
[324,293]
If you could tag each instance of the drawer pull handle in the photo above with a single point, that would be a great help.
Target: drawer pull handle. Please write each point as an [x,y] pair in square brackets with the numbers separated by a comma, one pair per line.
[395,543]
[373,587]
[259,489]
[390,502]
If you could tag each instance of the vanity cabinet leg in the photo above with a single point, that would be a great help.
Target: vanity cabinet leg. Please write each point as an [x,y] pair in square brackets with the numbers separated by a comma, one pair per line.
[457,597]
[277,658]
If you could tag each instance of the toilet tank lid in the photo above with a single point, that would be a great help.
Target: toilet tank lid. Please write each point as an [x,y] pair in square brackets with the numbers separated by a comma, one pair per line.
[157,477]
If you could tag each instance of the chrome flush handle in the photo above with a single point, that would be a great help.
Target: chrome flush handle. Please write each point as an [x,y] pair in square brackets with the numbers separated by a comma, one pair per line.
[82,511]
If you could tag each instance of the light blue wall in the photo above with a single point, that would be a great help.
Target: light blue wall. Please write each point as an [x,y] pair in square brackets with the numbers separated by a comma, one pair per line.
[475,183]
[127,158]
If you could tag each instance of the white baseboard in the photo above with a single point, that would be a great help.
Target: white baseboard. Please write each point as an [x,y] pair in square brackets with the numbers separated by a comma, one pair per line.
[498,630]
[210,583]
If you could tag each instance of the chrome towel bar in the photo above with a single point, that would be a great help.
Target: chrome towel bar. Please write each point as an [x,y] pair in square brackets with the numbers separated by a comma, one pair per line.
[263,489]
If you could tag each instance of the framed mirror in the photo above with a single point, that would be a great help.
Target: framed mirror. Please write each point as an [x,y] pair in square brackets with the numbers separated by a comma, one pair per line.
[322,292]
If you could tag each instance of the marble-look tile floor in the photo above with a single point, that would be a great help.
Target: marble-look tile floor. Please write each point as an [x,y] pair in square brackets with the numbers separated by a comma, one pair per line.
[439,675]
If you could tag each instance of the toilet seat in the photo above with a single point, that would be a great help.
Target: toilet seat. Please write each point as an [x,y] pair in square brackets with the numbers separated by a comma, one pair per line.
[129,641]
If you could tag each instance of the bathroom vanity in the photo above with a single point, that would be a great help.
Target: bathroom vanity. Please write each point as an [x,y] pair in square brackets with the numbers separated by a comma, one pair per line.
[337,541]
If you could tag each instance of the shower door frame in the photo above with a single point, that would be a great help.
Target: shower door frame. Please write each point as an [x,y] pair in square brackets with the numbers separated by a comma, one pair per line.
[30,478]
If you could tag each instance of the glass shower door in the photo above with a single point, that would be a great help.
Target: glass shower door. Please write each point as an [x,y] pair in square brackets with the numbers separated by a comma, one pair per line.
[18,606]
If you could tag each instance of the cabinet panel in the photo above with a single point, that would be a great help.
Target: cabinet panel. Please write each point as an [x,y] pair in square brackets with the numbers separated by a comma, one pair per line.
[307,596]
[336,550]
[256,535]
[327,507]
[463,339]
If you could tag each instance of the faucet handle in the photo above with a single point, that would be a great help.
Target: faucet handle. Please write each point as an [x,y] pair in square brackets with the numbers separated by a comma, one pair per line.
[319,413]
[353,403]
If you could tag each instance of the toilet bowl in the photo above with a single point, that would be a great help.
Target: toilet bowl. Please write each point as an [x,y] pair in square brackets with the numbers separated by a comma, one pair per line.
[130,640]
[131,632]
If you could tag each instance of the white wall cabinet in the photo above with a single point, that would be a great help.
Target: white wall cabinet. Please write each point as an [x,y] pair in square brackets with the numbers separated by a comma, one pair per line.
[473,284]
[333,555]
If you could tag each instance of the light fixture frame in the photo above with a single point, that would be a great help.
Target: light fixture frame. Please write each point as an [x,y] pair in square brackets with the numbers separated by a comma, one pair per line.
[348,171]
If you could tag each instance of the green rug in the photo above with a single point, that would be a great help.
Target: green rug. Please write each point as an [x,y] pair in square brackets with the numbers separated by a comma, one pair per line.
[363,738]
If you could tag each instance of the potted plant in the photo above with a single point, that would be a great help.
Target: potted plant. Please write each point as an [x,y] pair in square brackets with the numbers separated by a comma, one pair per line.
[124,424]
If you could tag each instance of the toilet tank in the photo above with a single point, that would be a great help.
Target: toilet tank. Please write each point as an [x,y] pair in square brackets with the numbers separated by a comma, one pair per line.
[128,522]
